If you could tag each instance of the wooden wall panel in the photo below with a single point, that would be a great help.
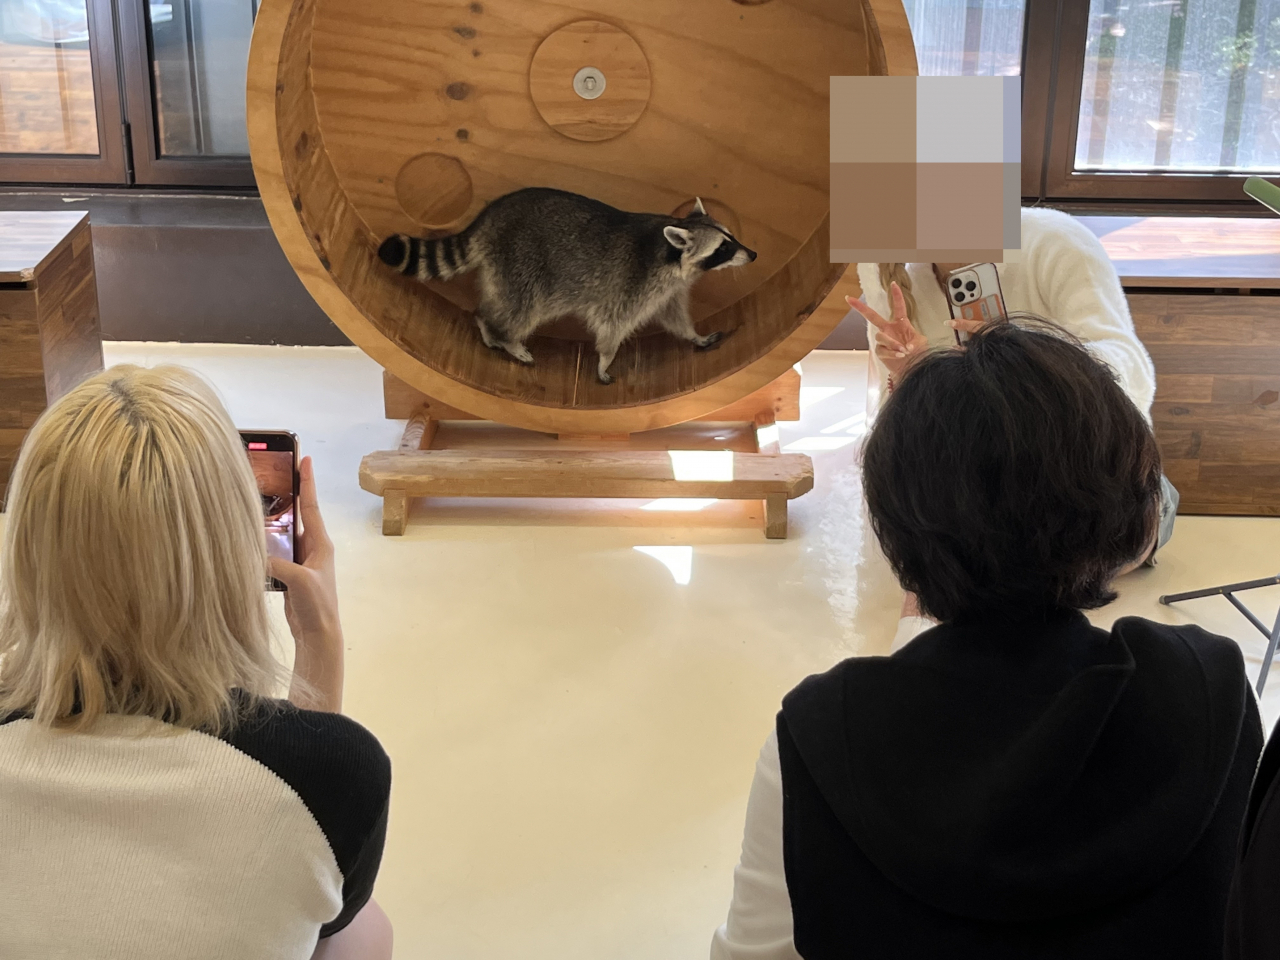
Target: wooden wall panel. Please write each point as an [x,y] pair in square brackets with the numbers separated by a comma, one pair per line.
[1217,409]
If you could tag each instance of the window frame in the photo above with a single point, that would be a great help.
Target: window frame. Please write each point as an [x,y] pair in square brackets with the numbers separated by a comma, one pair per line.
[151,168]
[127,122]
[1055,37]
[111,165]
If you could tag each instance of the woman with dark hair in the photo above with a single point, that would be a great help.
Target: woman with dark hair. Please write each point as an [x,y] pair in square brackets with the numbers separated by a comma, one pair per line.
[1063,272]
[1014,782]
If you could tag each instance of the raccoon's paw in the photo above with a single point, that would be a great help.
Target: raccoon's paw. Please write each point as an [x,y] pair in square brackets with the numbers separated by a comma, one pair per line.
[709,341]
[394,251]
[487,336]
[605,378]
[521,353]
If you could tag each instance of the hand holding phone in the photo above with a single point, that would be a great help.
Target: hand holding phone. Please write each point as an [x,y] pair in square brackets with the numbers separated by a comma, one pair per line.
[311,605]
[975,297]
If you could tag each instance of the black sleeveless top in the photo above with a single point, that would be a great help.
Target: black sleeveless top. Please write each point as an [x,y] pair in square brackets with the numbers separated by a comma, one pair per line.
[1035,789]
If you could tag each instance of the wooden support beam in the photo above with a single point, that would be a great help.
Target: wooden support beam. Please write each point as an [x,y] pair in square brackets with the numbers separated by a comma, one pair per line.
[775,516]
[395,512]
[419,432]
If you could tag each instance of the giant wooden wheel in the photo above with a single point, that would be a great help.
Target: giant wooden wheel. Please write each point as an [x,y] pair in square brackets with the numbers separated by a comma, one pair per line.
[409,115]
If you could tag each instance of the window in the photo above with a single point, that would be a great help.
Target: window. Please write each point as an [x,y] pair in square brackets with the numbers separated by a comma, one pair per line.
[1123,100]
[46,79]
[967,38]
[200,53]
[174,113]
[1126,100]
[1168,100]
[1191,85]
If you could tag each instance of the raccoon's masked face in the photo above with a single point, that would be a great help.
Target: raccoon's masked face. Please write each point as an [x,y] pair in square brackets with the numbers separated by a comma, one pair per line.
[705,244]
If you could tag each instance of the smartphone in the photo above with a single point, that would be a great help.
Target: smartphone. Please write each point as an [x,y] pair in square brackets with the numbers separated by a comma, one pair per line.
[1265,192]
[973,293]
[273,454]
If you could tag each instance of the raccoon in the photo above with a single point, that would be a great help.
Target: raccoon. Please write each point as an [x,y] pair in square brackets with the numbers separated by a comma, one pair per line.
[543,254]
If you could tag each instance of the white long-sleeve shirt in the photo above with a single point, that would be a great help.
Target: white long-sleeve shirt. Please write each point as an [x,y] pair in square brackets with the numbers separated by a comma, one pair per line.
[1064,275]
[759,925]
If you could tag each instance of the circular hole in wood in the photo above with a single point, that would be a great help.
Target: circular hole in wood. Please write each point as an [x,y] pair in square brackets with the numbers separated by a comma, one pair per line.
[562,56]
[720,212]
[434,189]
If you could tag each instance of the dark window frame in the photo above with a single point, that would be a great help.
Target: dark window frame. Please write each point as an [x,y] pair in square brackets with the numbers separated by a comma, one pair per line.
[128,137]
[151,168]
[1054,45]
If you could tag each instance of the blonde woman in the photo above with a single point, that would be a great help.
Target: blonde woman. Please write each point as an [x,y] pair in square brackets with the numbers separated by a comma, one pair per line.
[155,801]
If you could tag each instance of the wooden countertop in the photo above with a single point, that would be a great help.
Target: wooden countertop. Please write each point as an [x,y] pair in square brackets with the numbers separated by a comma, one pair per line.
[29,238]
[1191,251]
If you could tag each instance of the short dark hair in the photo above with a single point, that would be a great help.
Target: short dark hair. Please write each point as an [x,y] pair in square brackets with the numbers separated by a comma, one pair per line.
[1011,478]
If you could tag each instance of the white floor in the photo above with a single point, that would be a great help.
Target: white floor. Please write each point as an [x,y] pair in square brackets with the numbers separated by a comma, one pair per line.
[573,721]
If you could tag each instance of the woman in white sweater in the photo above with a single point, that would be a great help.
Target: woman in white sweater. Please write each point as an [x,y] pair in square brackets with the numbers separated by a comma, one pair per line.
[1064,275]
[156,799]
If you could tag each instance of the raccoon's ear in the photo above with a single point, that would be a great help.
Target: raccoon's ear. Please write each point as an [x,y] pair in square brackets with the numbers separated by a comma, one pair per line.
[678,237]
[698,207]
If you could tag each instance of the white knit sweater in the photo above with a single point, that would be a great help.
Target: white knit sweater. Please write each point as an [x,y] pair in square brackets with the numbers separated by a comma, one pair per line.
[1064,275]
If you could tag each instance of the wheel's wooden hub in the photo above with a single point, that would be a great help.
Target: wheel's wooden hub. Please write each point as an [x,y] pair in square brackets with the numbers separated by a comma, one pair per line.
[589,80]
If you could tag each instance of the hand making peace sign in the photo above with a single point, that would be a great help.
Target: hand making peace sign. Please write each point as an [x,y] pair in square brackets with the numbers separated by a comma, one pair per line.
[897,341]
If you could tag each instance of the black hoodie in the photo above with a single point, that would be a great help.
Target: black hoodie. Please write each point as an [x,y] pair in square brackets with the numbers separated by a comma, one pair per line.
[1033,789]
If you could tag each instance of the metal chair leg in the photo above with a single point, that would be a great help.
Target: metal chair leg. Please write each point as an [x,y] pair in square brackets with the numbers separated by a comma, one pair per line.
[1271,654]
[1229,591]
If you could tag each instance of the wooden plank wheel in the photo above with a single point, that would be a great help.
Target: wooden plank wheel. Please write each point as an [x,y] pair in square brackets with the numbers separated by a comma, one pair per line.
[403,116]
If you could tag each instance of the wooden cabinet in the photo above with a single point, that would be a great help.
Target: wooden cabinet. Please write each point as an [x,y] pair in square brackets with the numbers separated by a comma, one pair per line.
[1205,297]
[50,339]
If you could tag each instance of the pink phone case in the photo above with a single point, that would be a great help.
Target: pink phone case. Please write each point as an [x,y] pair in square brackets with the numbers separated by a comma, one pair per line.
[973,293]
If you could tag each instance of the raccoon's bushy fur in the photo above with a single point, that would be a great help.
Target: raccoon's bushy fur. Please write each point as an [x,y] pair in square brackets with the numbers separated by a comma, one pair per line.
[543,254]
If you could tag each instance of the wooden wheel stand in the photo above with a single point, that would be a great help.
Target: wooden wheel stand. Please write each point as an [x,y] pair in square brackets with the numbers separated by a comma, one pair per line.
[447,452]
[401,117]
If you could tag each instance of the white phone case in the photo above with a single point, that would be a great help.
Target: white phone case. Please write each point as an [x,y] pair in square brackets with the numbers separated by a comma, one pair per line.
[973,293]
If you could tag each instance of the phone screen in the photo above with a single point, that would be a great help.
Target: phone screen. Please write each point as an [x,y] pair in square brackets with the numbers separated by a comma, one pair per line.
[273,455]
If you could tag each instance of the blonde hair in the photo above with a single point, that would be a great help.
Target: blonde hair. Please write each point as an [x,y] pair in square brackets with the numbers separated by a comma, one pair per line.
[134,559]
[897,273]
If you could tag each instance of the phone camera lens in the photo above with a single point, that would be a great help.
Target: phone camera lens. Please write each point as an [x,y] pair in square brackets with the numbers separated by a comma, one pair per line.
[971,286]
[956,283]
[959,298]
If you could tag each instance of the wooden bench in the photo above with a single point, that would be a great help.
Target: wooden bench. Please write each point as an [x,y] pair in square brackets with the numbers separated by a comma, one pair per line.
[1205,297]
[772,478]
[49,334]
[447,452]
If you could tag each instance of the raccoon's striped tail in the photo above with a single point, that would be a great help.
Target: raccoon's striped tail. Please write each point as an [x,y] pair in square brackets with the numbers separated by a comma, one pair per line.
[439,259]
